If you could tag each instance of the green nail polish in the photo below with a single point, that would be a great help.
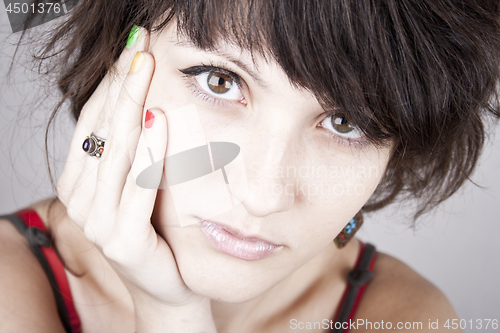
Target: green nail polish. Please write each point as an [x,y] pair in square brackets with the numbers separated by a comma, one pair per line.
[133,36]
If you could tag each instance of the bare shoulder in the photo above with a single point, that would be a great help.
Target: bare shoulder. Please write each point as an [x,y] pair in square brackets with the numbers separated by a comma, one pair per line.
[399,294]
[27,302]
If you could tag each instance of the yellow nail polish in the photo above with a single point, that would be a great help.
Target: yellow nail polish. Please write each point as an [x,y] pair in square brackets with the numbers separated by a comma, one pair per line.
[137,62]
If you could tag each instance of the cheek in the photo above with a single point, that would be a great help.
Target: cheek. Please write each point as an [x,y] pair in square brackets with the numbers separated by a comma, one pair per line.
[349,184]
[167,91]
[348,178]
[331,194]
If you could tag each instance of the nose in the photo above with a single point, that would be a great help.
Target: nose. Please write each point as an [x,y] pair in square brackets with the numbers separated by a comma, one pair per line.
[271,189]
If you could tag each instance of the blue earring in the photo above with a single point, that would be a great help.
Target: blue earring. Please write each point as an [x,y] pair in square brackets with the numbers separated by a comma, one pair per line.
[349,231]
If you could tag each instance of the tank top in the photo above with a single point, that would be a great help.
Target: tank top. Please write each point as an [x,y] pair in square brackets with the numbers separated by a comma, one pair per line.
[31,226]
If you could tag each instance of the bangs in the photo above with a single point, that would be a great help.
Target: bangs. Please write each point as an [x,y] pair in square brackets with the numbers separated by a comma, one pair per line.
[320,45]
[422,74]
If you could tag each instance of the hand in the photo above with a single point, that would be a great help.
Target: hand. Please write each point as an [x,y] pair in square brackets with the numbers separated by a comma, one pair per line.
[101,195]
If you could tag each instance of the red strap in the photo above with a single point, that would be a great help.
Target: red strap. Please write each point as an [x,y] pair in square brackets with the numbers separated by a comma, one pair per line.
[360,290]
[33,220]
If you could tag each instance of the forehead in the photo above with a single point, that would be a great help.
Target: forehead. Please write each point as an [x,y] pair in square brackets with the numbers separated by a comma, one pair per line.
[261,68]
[257,42]
[221,47]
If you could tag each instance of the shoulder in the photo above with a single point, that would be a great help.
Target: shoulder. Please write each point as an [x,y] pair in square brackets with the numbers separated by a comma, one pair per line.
[27,300]
[399,294]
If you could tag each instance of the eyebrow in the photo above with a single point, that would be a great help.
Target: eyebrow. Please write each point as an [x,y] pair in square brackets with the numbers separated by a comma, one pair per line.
[242,65]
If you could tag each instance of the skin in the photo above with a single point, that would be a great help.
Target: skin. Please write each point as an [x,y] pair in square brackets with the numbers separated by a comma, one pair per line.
[281,122]
[276,127]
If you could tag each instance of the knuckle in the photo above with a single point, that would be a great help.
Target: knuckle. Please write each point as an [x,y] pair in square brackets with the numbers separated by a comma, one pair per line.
[98,226]
[90,233]
[74,213]
[114,250]
[62,192]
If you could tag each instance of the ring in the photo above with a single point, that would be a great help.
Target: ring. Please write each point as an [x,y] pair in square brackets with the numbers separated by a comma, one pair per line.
[94,145]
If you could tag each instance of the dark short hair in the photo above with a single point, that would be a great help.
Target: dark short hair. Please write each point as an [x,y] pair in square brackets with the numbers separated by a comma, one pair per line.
[420,73]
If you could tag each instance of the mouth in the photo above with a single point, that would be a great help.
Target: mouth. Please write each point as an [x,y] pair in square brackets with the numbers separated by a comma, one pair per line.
[233,243]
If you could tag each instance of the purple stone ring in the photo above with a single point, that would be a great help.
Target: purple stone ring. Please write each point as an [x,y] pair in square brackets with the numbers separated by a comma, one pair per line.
[93,146]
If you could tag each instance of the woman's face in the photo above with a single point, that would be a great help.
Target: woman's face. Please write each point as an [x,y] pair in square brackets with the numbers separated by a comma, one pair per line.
[299,177]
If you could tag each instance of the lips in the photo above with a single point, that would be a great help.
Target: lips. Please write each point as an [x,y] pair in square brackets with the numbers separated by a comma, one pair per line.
[234,244]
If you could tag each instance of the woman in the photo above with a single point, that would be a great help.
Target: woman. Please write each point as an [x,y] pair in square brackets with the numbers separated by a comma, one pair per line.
[318,109]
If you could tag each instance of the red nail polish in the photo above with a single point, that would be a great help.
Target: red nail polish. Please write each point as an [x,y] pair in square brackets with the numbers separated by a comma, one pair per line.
[150,119]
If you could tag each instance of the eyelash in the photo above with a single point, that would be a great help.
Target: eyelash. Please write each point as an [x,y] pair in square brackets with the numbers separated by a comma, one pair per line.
[348,142]
[191,72]
[345,142]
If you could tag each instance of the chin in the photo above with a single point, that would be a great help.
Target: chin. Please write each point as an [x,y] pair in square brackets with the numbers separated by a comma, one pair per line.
[227,279]
[225,292]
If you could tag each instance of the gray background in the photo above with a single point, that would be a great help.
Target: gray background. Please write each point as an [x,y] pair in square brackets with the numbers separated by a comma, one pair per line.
[456,247]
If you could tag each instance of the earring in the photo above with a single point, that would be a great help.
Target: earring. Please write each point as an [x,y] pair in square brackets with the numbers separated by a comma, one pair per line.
[349,230]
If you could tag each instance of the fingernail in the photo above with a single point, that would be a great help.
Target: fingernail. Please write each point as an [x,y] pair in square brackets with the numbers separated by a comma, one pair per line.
[137,62]
[133,36]
[150,119]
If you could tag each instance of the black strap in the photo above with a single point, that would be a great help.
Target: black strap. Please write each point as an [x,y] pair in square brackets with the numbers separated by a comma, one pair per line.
[36,238]
[357,278]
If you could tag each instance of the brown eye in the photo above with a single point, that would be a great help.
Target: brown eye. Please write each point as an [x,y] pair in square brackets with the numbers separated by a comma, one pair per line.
[219,83]
[341,124]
